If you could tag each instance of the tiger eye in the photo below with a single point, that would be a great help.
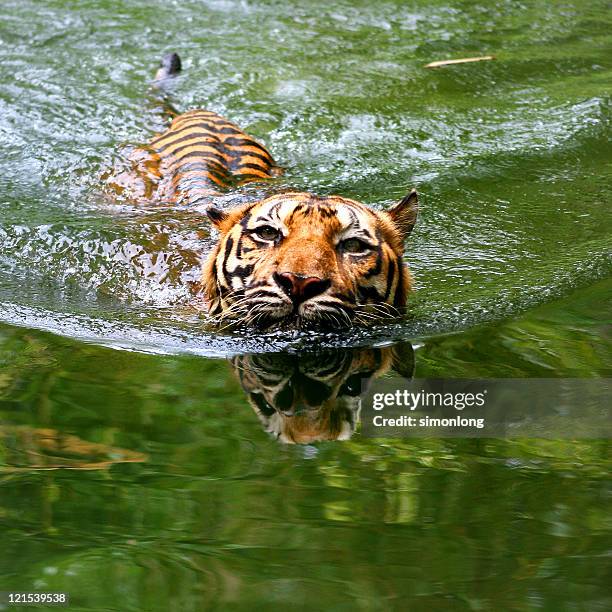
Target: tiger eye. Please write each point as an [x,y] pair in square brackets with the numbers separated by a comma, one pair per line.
[354,245]
[267,232]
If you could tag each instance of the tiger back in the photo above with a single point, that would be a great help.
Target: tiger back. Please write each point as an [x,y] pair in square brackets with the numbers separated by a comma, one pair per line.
[201,154]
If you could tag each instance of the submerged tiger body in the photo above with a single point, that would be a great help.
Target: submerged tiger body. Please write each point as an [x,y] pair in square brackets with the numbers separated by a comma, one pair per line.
[294,259]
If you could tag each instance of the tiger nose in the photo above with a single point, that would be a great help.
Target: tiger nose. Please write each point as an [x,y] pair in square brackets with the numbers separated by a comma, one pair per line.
[301,288]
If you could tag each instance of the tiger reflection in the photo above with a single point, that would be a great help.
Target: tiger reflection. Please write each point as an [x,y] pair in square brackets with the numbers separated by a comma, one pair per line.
[309,397]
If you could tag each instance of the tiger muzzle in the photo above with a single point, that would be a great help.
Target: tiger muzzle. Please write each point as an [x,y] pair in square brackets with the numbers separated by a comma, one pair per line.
[301,288]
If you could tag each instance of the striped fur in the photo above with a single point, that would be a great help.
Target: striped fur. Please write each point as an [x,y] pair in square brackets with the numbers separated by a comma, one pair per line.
[307,238]
[200,155]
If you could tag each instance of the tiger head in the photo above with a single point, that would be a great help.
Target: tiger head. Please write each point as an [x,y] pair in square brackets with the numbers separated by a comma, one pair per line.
[310,397]
[301,260]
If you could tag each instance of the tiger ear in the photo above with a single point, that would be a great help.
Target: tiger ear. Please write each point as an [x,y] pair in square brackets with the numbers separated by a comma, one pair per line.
[216,216]
[404,214]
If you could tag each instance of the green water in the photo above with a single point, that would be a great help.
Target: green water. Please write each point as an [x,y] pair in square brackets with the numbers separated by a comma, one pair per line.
[134,474]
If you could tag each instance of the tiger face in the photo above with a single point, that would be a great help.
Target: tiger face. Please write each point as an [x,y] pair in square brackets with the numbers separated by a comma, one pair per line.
[300,260]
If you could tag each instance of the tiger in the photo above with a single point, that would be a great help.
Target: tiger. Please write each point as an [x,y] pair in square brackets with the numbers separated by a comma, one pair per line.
[289,260]
[315,396]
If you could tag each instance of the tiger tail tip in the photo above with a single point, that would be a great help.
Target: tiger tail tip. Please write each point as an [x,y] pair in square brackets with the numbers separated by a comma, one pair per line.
[170,65]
